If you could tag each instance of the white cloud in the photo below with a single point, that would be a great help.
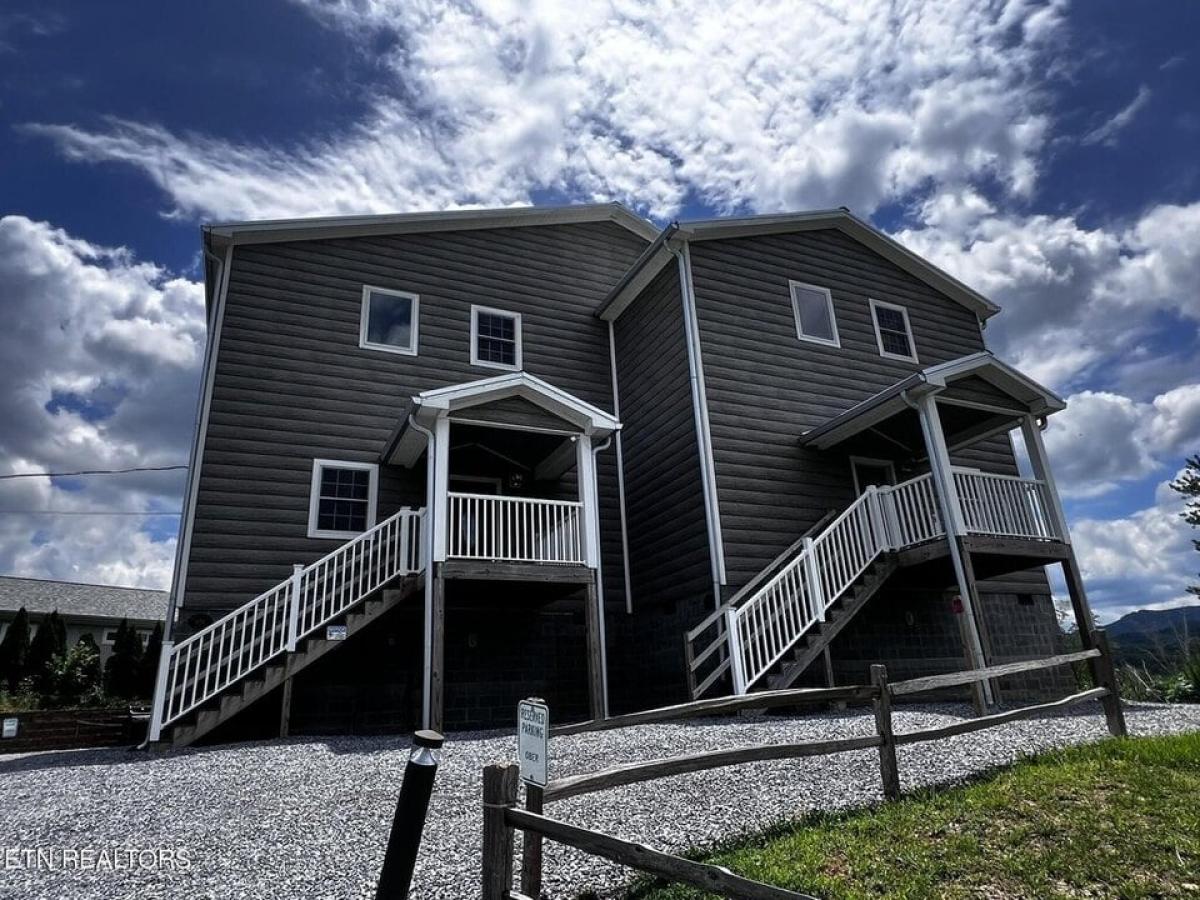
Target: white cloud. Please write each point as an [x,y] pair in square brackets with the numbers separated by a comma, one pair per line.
[772,105]
[1107,133]
[102,354]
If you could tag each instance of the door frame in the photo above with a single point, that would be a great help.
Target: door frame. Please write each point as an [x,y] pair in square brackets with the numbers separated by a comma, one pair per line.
[870,461]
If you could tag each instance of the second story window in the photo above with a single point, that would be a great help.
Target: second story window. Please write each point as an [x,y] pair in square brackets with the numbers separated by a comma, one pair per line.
[495,338]
[892,331]
[813,308]
[389,320]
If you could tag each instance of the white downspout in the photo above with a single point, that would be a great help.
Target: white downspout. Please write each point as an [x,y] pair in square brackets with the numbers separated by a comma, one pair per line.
[616,394]
[427,551]
[712,513]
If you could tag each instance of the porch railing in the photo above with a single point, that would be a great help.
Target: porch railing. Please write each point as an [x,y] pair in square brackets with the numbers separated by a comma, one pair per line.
[207,662]
[514,529]
[762,629]
[1005,505]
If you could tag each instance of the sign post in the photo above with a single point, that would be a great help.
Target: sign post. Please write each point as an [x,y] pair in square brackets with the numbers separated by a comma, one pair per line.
[533,754]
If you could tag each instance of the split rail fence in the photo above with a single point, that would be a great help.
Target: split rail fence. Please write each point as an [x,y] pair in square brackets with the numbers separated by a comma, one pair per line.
[502,817]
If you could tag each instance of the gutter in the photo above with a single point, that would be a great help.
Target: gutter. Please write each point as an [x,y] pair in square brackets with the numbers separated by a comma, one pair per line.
[638,264]
[600,579]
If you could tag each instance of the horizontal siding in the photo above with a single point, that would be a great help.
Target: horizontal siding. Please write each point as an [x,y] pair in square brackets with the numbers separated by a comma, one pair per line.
[669,558]
[766,387]
[291,382]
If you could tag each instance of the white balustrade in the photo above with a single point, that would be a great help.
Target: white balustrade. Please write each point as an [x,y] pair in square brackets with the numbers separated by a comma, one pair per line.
[514,529]
[1005,505]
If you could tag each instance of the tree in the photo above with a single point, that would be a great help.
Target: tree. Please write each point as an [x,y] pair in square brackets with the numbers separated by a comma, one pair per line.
[49,642]
[148,672]
[14,650]
[121,670]
[77,673]
[1188,486]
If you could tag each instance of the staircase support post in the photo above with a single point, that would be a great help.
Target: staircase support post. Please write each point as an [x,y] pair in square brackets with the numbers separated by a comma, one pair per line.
[158,706]
[737,667]
[293,634]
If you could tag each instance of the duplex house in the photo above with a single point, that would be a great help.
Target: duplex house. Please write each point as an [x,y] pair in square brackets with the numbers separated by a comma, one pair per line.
[444,461]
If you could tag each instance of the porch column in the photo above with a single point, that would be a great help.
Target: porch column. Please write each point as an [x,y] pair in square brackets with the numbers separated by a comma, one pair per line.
[952,517]
[585,470]
[439,470]
[1036,449]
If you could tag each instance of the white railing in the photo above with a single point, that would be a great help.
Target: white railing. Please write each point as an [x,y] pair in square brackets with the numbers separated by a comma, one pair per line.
[514,529]
[763,629]
[205,663]
[1005,505]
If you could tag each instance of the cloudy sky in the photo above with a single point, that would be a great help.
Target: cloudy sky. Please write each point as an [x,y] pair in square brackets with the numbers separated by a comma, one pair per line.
[1046,153]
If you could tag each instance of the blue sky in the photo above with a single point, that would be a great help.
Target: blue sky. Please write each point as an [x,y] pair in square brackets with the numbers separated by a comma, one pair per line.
[1046,153]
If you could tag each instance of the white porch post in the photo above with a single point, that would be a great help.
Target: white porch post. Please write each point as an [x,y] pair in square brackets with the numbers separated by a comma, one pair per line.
[943,481]
[158,709]
[440,472]
[1041,471]
[585,471]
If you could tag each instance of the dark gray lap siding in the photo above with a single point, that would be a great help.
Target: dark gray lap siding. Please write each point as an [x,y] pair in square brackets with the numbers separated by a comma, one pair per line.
[766,387]
[292,383]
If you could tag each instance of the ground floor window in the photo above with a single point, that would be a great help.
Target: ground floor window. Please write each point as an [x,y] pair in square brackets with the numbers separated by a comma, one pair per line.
[342,503]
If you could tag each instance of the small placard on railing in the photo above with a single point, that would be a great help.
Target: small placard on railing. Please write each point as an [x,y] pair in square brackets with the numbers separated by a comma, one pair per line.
[10,727]
[335,632]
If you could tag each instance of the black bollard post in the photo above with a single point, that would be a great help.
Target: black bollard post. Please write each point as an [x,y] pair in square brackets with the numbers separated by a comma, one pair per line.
[409,821]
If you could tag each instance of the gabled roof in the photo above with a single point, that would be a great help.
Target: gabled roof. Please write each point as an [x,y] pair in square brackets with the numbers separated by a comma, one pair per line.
[277,230]
[407,445]
[1030,396]
[72,600]
[658,254]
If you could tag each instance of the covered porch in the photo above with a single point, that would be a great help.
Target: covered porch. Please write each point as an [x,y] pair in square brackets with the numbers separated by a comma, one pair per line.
[945,520]
[512,495]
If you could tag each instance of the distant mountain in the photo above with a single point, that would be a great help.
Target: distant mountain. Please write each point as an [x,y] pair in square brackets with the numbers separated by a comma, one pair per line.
[1154,636]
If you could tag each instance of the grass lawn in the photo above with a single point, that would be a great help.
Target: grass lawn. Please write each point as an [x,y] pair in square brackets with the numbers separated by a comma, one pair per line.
[1116,819]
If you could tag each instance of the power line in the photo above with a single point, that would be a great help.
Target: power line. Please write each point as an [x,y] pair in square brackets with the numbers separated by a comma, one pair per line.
[82,512]
[91,472]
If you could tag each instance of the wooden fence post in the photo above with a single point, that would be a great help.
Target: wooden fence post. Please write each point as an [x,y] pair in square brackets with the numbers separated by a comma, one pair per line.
[531,861]
[888,767]
[499,794]
[1106,677]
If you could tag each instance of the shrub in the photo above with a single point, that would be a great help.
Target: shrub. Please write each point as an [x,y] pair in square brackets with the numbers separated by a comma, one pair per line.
[77,675]
[148,670]
[14,650]
[49,642]
[121,670]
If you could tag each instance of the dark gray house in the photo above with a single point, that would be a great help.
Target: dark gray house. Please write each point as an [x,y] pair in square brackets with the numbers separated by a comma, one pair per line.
[562,452]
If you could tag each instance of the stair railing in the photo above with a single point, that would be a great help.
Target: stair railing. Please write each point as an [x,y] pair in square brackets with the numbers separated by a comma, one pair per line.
[199,667]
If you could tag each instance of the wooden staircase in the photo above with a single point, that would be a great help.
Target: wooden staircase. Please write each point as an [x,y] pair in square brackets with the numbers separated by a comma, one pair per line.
[262,681]
[814,641]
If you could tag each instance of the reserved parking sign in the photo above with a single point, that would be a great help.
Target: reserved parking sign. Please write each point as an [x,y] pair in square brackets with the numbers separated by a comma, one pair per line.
[533,740]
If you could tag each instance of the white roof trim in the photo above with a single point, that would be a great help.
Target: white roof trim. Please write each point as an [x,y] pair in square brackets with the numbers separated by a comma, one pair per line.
[839,219]
[430,405]
[277,230]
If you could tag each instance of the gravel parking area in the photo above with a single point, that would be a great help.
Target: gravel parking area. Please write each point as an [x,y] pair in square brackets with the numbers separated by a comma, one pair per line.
[309,818]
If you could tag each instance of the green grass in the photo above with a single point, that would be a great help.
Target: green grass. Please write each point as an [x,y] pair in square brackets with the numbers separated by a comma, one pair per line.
[1116,819]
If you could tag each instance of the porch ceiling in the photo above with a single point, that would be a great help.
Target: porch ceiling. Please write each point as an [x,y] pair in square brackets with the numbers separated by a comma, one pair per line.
[978,396]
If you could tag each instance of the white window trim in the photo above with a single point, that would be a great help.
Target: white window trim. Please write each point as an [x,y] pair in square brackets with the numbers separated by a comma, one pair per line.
[314,496]
[363,321]
[907,327]
[487,364]
[836,341]
[869,461]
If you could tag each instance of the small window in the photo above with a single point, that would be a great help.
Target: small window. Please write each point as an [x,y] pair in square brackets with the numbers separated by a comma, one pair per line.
[342,502]
[813,307]
[892,331]
[495,338]
[389,321]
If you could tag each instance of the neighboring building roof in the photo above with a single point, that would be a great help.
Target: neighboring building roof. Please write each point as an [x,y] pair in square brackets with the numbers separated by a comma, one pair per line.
[95,601]
[275,230]
[657,255]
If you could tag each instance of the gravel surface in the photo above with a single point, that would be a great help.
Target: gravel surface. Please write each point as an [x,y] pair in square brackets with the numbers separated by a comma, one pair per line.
[308,818]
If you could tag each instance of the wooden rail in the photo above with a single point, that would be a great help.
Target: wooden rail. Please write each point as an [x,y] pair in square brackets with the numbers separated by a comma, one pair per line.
[501,817]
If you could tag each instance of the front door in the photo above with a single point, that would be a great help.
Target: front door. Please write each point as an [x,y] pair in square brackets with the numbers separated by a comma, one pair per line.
[867,472]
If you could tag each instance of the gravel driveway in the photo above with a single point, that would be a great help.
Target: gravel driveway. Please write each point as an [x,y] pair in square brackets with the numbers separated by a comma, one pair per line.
[307,818]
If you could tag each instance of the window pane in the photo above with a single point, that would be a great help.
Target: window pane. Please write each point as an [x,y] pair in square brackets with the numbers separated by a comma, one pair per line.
[889,319]
[345,483]
[893,331]
[812,307]
[389,320]
[496,338]
[342,515]
[895,342]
